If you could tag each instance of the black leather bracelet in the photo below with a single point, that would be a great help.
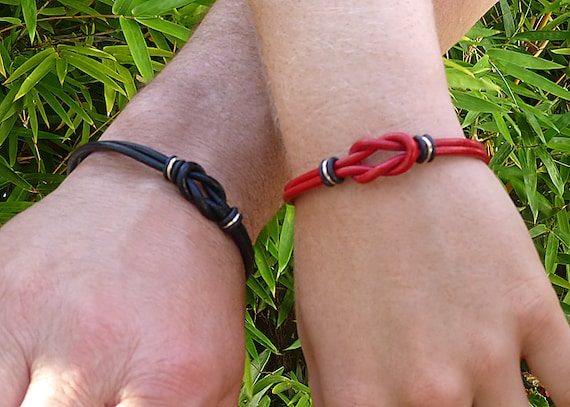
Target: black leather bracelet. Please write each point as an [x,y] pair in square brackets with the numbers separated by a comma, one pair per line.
[197,187]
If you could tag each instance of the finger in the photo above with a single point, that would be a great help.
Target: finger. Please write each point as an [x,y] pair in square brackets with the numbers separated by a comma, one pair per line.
[13,375]
[547,352]
[52,388]
[502,390]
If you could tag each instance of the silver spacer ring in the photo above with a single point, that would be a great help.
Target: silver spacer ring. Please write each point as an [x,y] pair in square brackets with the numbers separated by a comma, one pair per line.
[429,145]
[169,167]
[325,173]
[232,222]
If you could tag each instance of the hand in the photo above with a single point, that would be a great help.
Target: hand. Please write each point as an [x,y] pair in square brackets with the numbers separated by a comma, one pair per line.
[117,294]
[426,291]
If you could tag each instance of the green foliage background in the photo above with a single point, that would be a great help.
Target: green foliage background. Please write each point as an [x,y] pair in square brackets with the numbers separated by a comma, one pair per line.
[70,66]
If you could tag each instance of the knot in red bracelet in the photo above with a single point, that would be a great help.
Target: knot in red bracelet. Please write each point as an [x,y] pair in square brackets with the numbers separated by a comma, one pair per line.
[409,150]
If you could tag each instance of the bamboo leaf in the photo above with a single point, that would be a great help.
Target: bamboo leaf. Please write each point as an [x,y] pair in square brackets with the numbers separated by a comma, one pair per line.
[166,27]
[137,45]
[11,20]
[12,177]
[87,51]
[508,20]
[534,79]
[503,128]
[552,169]
[61,69]
[286,239]
[552,244]
[30,64]
[559,281]
[39,105]
[30,17]
[530,178]
[73,105]
[95,69]
[37,75]
[6,127]
[79,6]
[264,268]
[109,93]
[56,107]
[523,60]
[7,103]
[156,8]
[125,7]
[546,35]
[30,105]
[471,103]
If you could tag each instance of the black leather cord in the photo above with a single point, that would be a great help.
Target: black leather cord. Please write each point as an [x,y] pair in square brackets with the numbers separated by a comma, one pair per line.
[199,188]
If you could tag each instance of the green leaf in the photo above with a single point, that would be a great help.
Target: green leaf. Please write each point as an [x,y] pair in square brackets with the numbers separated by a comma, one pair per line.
[30,17]
[61,69]
[524,60]
[508,20]
[94,69]
[503,128]
[552,169]
[30,64]
[37,75]
[156,8]
[56,107]
[7,103]
[261,292]
[286,239]
[11,20]
[137,45]
[87,51]
[534,79]
[6,127]
[12,177]
[264,269]
[561,144]
[471,103]
[561,51]
[79,6]
[559,281]
[552,35]
[286,306]
[30,105]
[537,400]
[166,27]
[552,244]
[528,162]
[125,7]
[259,336]
[458,79]
[109,93]
[538,230]
[73,105]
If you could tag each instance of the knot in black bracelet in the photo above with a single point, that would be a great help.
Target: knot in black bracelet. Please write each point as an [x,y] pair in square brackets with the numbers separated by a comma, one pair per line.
[200,189]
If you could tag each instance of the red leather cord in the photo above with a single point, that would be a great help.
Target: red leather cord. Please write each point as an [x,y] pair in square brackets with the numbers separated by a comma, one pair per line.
[410,152]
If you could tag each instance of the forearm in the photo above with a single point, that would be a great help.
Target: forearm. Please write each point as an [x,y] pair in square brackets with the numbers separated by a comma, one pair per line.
[210,105]
[378,71]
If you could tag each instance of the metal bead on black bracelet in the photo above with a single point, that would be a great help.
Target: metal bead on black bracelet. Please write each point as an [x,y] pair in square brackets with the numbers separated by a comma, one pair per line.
[196,186]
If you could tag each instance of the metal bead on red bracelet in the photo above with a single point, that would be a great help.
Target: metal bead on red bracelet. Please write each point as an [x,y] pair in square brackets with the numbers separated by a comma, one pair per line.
[409,150]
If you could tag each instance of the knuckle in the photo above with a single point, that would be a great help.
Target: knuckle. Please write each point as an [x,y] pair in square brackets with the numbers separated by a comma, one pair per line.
[436,388]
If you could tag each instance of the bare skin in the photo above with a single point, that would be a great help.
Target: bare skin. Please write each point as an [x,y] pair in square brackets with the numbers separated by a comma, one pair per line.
[419,290]
[119,313]
[124,295]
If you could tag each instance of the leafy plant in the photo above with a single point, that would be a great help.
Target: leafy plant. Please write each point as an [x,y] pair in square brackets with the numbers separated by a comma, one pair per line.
[70,66]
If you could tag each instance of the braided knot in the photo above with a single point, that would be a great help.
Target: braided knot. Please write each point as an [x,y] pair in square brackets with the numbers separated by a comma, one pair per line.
[396,165]
[203,191]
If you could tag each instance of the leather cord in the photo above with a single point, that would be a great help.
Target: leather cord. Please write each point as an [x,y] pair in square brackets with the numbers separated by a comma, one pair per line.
[410,150]
[196,186]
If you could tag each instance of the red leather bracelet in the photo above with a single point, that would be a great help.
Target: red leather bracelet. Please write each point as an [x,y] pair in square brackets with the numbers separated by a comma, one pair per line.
[418,149]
